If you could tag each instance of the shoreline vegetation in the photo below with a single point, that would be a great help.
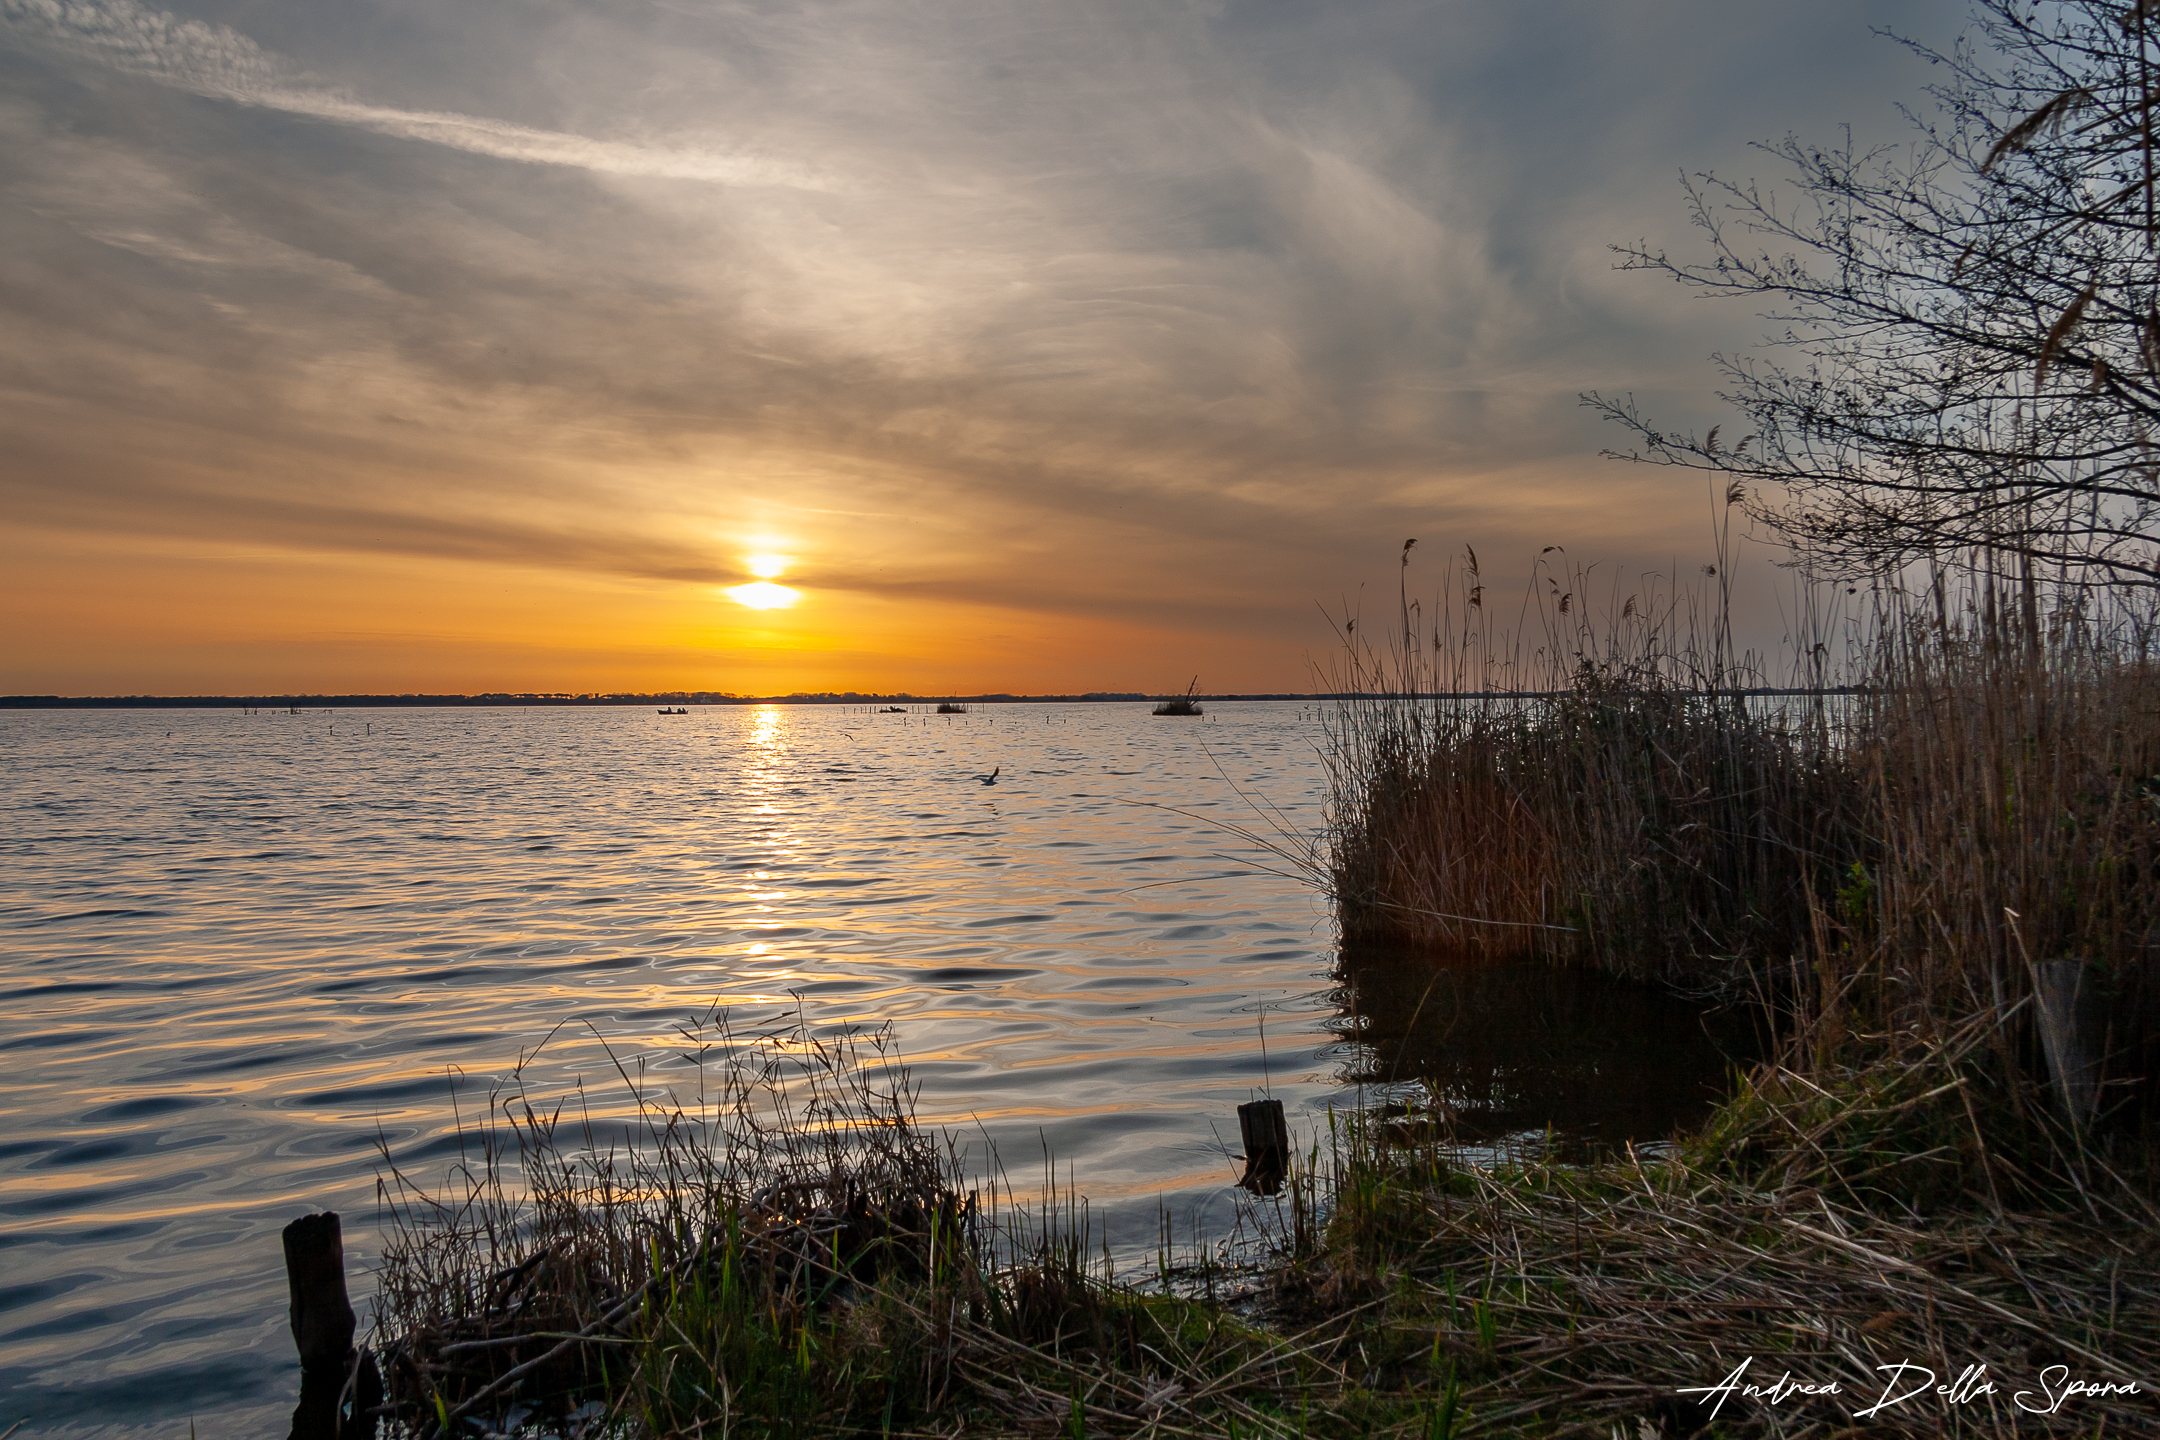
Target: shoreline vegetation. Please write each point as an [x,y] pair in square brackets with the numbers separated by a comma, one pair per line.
[1921,1216]
[1960,789]
[1922,846]
[790,1255]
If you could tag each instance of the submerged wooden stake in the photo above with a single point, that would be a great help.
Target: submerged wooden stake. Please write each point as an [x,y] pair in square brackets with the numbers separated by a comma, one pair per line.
[2072,1016]
[322,1318]
[339,1388]
[1267,1146]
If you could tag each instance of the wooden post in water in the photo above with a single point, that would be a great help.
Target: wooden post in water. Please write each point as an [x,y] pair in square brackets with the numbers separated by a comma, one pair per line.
[339,1389]
[1267,1146]
[2072,1016]
[322,1318]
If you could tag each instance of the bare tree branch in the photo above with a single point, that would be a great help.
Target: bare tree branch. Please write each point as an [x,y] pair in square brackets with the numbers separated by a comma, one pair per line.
[1965,342]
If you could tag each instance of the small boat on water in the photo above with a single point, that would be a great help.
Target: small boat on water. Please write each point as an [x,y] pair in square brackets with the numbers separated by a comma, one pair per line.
[678,711]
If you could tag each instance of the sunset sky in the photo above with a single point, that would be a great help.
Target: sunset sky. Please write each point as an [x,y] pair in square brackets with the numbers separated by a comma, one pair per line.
[381,345]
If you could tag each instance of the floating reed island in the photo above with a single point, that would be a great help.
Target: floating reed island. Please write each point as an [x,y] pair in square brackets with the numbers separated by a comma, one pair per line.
[1930,859]
[1183,704]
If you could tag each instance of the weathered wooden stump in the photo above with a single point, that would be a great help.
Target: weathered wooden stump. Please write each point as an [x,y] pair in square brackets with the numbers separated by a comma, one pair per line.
[322,1318]
[339,1388]
[2073,1019]
[1267,1146]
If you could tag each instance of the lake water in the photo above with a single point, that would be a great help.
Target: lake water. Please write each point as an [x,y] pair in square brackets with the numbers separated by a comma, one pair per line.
[242,950]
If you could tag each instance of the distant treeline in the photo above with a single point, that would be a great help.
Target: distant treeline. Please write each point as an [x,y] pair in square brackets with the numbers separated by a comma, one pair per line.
[700,697]
[656,697]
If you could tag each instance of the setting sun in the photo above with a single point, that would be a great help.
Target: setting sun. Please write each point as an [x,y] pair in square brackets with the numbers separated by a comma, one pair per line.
[768,567]
[763,596]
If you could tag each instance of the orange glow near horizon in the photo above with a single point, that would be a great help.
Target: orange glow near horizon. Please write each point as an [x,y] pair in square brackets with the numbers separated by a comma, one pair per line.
[174,617]
[930,602]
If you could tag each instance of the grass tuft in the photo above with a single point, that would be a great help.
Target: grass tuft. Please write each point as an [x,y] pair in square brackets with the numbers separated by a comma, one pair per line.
[786,1255]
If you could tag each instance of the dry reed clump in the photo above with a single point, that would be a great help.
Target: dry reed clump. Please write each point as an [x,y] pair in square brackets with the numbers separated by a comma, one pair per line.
[1659,834]
[1183,704]
[2010,769]
[1614,797]
[1890,858]
[2014,816]
[1893,864]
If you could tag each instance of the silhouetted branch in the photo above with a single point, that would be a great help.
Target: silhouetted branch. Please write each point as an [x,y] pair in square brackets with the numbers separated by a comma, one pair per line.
[1965,351]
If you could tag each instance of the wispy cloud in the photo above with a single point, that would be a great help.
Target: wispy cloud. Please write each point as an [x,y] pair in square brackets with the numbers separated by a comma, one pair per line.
[221,63]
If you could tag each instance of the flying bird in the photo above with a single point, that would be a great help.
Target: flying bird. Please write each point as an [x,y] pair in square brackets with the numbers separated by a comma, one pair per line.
[991,778]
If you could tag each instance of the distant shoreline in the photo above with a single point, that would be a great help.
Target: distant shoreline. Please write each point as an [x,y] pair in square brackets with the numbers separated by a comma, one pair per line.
[706,697]
[658,697]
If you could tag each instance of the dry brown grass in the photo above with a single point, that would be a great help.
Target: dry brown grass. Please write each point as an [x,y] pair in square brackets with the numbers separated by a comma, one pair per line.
[1568,1301]
[1888,861]
[1823,1225]
[817,1273]
[1607,793]
[2014,815]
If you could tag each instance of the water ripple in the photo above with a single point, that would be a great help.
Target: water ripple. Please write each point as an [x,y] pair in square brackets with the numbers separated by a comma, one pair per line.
[240,958]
